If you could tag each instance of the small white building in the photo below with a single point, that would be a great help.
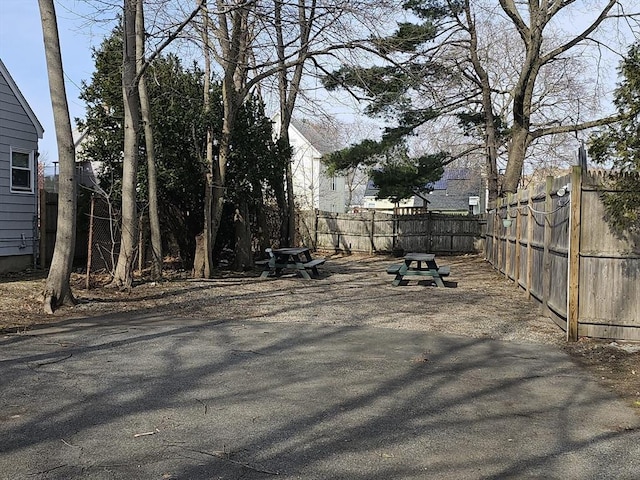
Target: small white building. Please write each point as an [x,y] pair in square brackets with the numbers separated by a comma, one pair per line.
[313,187]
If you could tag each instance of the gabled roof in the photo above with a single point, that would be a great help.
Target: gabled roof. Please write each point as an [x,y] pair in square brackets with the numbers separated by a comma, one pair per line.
[16,91]
[450,174]
[450,193]
[321,141]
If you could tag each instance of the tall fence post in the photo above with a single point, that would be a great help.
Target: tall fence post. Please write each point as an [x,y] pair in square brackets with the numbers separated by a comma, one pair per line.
[573,275]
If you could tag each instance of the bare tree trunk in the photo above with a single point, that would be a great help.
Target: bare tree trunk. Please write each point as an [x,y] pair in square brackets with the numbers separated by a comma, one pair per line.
[232,33]
[123,277]
[57,290]
[288,91]
[243,258]
[154,220]
[208,239]
[198,260]
[261,219]
[491,136]
[520,140]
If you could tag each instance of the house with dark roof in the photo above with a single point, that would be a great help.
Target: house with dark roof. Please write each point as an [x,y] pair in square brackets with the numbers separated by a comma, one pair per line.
[313,187]
[20,131]
[458,191]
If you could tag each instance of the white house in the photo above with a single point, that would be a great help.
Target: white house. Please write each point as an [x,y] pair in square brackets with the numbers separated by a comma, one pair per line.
[19,134]
[313,187]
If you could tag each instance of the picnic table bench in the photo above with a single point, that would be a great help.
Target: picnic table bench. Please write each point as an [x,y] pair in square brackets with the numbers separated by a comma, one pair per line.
[292,258]
[425,266]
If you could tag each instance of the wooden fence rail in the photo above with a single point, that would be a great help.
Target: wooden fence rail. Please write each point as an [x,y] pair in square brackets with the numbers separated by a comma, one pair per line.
[553,240]
[379,232]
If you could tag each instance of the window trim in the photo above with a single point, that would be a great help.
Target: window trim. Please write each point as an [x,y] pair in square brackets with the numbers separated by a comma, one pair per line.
[30,169]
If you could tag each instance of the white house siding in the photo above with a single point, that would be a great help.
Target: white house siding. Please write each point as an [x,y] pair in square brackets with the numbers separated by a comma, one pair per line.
[305,171]
[313,188]
[386,204]
[18,210]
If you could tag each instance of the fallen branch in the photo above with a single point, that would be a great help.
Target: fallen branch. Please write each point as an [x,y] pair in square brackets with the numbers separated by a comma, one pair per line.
[225,456]
[146,433]
[40,364]
[47,471]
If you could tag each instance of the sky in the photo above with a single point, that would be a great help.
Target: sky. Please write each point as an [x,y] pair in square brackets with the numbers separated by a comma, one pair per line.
[22,51]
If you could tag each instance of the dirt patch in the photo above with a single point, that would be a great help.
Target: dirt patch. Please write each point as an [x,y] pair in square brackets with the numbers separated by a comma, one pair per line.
[352,290]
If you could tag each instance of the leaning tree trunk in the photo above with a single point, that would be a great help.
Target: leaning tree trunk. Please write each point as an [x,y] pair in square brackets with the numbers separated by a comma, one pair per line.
[57,290]
[123,275]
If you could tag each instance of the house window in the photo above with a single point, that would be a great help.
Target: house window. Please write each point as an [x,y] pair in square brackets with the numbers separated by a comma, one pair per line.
[333,183]
[22,171]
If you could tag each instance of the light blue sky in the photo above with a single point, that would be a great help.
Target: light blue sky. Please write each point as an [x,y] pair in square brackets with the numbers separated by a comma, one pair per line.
[22,51]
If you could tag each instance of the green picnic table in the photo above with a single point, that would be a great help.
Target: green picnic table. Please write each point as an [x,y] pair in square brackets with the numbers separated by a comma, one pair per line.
[297,259]
[419,265]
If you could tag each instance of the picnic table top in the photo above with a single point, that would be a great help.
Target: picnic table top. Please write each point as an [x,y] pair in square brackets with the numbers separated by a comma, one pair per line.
[290,250]
[420,257]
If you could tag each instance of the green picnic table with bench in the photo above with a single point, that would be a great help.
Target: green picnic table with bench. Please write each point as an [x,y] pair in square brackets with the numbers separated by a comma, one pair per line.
[297,259]
[425,266]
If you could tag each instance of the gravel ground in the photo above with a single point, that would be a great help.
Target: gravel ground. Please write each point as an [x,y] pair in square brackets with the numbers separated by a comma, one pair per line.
[353,291]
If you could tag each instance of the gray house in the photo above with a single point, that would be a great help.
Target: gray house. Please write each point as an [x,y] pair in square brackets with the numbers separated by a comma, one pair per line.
[459,191]
[19,134]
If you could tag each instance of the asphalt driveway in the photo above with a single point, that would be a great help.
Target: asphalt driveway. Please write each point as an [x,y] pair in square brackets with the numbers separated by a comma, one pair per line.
[164,397]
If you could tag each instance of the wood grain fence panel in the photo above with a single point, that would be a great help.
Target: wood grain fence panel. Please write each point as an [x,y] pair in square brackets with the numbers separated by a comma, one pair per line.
[537,264]
[631,333]
[597,235]
[523,247]
[614,293]
[558,291]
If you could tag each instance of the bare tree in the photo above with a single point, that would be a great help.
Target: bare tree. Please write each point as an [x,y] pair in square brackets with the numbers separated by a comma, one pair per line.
[132,71]
[145,109]
[253,42]
[204,267]
[510,74]
[532,21]
[122,277]
[57,290]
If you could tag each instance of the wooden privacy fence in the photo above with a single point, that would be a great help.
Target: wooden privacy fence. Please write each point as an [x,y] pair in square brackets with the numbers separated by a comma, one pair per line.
[379,232]
[553,240]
